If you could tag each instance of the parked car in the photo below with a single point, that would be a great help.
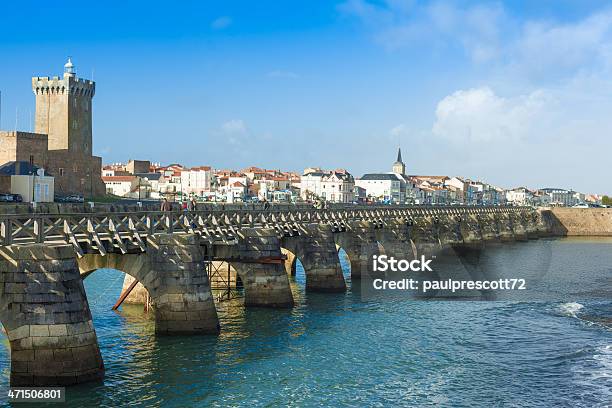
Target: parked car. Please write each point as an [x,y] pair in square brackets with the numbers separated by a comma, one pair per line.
[6,198]
[17,198]
[72,198]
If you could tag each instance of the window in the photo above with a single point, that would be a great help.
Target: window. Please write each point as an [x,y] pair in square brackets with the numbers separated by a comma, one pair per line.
[31,159]
[74,123]
[61,171]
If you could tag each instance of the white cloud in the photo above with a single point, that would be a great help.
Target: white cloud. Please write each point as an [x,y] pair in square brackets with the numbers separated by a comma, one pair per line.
[234,126]
[486,33]
[283,74]
[479,115]
[234,130]
[221,23]
[398,24]
[398,131]
[544,48]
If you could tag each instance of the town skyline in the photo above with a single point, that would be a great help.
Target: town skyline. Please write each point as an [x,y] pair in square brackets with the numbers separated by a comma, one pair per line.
[223,91]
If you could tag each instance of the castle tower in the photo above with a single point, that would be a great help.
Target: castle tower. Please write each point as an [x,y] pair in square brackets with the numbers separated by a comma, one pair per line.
[63,113]
[63,110]
[399,166]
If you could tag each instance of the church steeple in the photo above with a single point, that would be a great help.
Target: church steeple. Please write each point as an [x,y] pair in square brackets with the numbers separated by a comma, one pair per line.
[399,166]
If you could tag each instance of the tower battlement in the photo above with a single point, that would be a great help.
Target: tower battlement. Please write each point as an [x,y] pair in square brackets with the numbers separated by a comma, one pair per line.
[57,85]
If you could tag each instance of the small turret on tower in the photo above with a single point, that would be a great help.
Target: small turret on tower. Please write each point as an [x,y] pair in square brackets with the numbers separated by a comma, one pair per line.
[69,69]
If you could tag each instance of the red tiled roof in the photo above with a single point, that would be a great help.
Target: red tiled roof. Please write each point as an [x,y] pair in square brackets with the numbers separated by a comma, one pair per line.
[118,178]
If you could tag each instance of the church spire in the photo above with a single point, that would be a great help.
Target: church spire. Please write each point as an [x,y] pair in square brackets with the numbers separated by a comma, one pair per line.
[399,166]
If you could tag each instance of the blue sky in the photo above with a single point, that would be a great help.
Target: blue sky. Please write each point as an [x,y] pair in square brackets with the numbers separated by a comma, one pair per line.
[514,93]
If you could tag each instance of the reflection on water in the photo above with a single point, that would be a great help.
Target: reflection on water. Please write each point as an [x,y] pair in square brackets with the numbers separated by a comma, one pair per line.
[339,349]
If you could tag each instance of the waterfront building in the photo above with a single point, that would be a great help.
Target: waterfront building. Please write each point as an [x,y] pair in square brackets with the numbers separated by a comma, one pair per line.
[337,186]
[563,197]
[311,183]
[383,187]
[460,188]
[519,196]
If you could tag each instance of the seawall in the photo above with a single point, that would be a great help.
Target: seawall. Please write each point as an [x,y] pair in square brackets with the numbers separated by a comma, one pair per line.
[579,221]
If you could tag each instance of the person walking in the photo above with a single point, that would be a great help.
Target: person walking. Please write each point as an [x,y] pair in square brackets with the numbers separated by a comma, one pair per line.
[165,205]
[192,204]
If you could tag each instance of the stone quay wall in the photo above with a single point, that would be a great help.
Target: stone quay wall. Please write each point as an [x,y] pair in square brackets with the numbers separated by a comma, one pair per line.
[578,221]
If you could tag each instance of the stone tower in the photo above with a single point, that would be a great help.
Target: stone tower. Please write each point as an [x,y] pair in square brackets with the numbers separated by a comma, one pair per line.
[399,166]
[64,114]
[63,110]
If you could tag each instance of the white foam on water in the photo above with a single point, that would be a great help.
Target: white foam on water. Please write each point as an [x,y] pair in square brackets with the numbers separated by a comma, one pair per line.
[570,309]
[595,373]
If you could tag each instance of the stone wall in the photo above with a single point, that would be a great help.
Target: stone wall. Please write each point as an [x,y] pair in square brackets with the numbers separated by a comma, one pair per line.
[19,146]
[578,221]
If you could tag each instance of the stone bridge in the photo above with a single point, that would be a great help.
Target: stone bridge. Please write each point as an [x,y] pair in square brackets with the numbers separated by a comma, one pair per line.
[45,257]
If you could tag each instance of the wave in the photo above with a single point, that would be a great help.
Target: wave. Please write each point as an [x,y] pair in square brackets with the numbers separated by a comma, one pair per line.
[570,309]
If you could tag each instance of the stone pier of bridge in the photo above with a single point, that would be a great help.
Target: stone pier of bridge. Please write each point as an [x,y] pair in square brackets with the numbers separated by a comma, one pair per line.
[257,259]
[46,316]
[172,272]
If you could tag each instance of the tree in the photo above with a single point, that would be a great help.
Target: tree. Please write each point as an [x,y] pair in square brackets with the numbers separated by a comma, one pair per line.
[606,200]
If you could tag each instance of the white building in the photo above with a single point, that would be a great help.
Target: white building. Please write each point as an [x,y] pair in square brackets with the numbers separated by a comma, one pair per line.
[196,180]
[27,180]
[519,196]
[562,197]
[389,187]
[311,183]
[121,186]
[236,192]
[338,187]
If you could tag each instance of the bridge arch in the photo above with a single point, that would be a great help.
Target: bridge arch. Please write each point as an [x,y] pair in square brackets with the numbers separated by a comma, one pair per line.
[135,266]
[316,250]
[173,273]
